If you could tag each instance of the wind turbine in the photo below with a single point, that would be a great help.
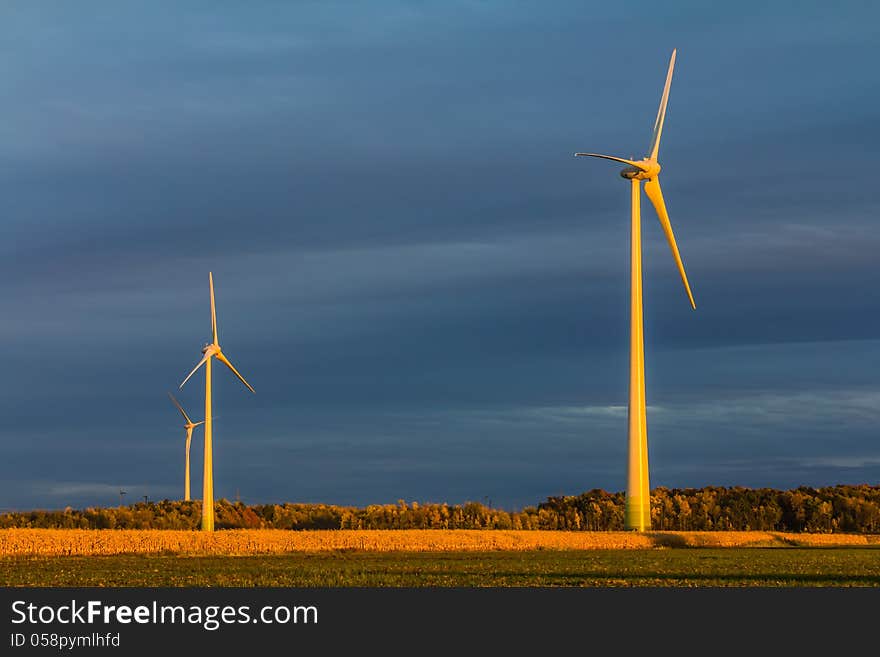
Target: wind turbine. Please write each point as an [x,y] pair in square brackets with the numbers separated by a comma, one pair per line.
[638,492]
[211,350]
[188,427]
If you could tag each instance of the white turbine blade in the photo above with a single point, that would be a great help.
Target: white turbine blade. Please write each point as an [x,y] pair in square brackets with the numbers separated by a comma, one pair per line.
[179,408]
[226,362]
[201,362]
[611,157]
[652,189]
[213,309]
[197,424]
[661,113]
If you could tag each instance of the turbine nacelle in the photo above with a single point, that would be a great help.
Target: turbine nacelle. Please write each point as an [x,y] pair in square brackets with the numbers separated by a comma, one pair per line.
[645,169]
[211,349]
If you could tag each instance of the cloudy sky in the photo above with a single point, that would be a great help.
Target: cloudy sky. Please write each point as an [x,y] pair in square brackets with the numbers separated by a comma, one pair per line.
[427,290]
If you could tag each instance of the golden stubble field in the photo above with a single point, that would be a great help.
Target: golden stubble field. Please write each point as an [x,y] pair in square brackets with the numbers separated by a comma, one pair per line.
[84,542]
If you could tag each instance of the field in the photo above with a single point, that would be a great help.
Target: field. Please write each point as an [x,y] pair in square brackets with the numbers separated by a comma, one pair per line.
[89,542]
[657,567]
[35,557]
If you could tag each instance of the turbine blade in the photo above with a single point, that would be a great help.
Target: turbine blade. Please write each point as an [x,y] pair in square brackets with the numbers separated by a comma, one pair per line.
[611,157]
[652,189]
[213,309]
[197,424]
[201,362]
[179,408]
[226,362]
[661,113]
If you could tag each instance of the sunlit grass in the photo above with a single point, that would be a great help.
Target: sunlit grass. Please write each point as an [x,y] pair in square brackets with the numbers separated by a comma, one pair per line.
[657,567]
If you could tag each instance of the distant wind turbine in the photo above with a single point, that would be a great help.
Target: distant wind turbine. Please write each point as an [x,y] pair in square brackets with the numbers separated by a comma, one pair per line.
[211,350]
[638,492]
[188,427]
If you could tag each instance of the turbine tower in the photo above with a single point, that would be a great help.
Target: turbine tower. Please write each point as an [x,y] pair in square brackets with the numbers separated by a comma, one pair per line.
[188,426]
[638,492]
[211,350]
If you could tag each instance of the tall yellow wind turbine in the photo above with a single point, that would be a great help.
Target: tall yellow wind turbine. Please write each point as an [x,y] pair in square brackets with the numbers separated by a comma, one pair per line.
[211,350]
[188,426]
[638,492]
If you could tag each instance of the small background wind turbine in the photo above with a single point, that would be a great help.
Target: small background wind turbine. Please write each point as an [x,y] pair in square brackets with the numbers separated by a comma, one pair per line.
[638,491]
[211,350]
[188,426]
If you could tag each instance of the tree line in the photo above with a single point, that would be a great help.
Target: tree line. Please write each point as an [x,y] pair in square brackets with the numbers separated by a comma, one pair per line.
[826,510]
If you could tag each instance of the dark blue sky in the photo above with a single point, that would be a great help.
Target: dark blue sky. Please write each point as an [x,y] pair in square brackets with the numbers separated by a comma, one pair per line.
[428,292]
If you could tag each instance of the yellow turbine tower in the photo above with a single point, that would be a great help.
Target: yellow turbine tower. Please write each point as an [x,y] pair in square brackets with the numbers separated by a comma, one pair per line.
[638,492]
[188,426]
[211,350]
